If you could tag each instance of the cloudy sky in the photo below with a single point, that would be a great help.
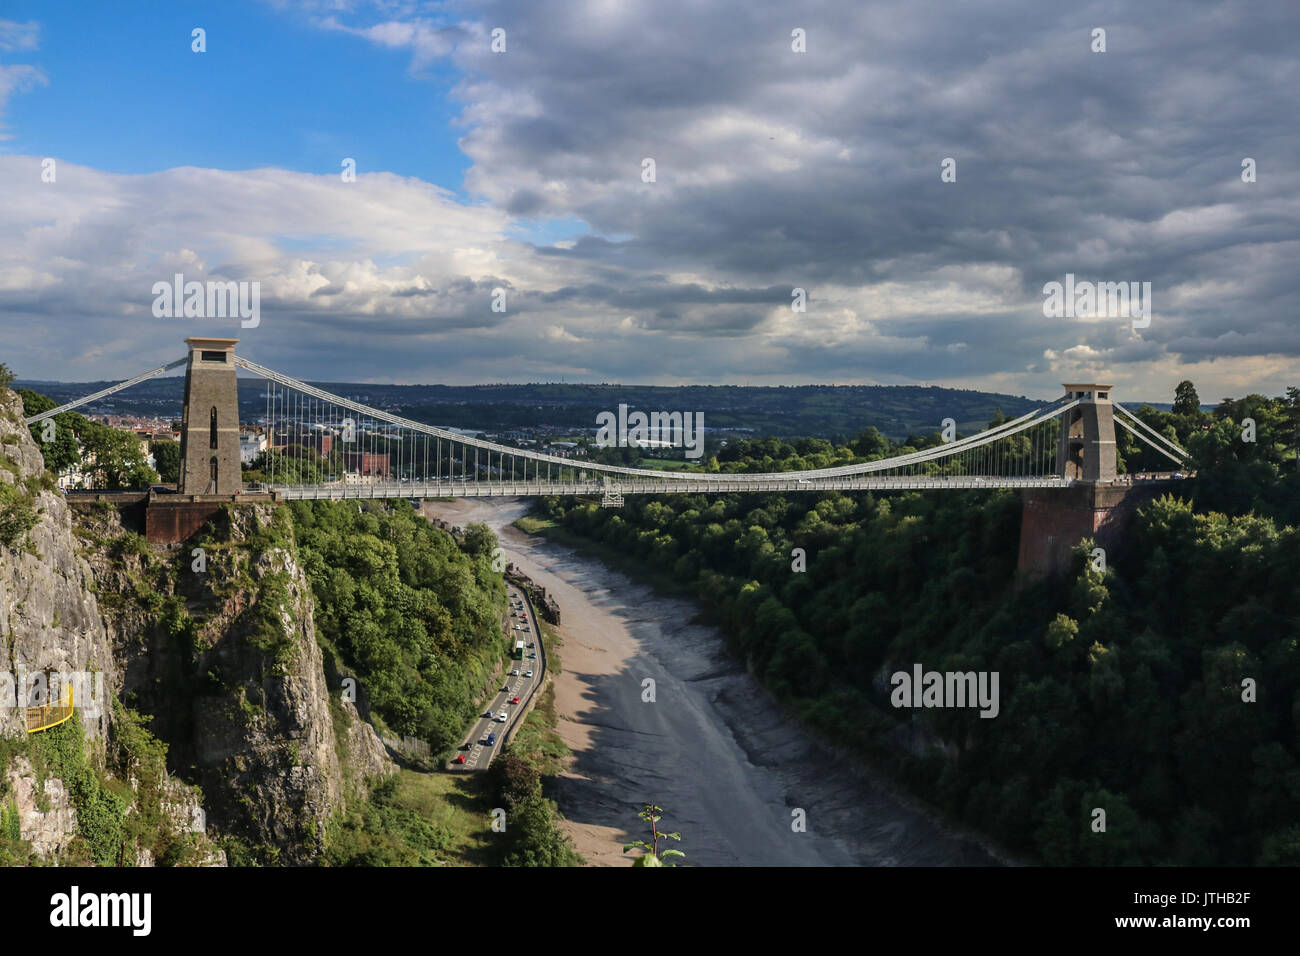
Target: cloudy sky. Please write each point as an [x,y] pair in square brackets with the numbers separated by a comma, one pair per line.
[524,170]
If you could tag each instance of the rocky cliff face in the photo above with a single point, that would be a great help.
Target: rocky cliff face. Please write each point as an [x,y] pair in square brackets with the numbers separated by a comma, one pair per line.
[49,618]
[217,640]
[219,650]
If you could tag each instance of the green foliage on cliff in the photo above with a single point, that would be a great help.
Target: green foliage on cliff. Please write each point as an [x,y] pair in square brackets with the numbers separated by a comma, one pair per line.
[17,513]
[14,851]
[61,752]
[1120,689]
[412,615]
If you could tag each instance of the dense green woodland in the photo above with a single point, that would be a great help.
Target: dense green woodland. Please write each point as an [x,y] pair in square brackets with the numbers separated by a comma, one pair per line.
[1119,689]
[417,618]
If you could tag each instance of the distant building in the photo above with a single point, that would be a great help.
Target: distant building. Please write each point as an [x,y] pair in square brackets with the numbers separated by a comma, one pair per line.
[367,463]
[251,444]
[320,442]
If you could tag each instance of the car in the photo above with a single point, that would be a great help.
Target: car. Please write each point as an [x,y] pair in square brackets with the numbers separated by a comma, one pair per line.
[491,739]
[515,699]
[460,758]
[515,672]
[503,717]
[487,713]
[532,656]
[531,645]
[466,746]
[162,490]
[528,673]
[506,687]
[1178,474]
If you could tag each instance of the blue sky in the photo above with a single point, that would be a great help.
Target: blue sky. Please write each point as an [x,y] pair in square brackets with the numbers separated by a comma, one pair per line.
[126,93]
[520,173]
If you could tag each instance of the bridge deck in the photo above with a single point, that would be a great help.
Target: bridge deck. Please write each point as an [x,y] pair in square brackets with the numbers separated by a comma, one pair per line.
[516,489]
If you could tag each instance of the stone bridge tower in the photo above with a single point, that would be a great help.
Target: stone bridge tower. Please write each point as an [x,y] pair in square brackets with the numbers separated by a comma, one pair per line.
[210,423]
[1087,447]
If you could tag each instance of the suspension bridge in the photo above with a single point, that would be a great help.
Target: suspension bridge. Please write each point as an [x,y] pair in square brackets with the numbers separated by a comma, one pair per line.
[323,445]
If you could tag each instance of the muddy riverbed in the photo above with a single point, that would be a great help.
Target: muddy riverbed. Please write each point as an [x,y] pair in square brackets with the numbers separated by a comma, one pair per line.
[722,760]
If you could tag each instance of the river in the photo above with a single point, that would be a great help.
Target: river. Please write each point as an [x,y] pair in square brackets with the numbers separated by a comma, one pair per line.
[728,768]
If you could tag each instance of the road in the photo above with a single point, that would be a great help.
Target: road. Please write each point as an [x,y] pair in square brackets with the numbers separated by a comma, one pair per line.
[517,685]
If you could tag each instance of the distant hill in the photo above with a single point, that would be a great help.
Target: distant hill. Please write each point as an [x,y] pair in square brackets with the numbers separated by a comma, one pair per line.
[824,411]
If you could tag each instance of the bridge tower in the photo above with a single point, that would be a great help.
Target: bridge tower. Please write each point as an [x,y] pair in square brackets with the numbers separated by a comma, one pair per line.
[210,422]
[1097,503]
[1086,451]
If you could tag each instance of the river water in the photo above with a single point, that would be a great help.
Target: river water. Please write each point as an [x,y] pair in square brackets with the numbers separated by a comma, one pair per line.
[730,771]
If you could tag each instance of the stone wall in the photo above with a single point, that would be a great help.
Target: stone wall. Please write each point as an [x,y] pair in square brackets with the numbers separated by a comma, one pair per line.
[1053,521]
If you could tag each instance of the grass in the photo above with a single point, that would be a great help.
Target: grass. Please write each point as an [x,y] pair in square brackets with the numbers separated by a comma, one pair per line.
[531,524]
[551,640]
[537,740]
[416,819]
[456,803]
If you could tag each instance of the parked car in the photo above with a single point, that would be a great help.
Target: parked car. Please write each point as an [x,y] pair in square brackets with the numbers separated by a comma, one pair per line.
[515,699]
[491,739]
[532,656]
[503,716]
[528,673]
[515,672]
[460,758]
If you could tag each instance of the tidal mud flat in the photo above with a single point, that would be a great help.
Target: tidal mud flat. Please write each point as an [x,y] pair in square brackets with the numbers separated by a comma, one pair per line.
[727,766]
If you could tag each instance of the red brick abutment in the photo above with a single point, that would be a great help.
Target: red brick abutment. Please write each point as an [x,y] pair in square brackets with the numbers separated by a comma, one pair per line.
[1054,520]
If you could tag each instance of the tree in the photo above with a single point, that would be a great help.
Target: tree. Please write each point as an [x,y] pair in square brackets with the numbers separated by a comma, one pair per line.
[515,781]
[1186,401]
[479,540]
[871,444]
[650,855]
[115,458]
[62,451]
[534,839]
[167,459]
[6,376]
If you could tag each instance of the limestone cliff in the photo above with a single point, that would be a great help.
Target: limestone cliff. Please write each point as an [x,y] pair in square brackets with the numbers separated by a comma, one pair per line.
[51,624]
[219,655]
[49,618]
[217,640]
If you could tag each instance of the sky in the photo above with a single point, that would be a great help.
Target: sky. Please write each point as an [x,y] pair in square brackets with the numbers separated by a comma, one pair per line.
[502,226]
